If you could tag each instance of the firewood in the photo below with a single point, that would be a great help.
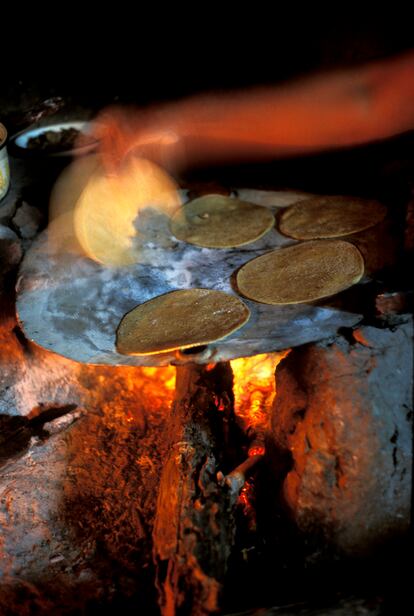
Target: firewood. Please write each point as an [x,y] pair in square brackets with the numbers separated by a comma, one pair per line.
[194,526]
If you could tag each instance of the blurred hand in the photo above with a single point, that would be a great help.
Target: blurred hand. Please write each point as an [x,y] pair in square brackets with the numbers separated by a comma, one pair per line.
[342,108]
[150,134]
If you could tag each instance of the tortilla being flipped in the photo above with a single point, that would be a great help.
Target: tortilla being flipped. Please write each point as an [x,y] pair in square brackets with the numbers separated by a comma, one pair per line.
[108,207]
[326,217]
[180,320]
[301,273]
[215,221]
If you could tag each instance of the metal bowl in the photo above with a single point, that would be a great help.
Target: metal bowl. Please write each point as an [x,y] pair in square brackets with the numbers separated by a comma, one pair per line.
[20,142]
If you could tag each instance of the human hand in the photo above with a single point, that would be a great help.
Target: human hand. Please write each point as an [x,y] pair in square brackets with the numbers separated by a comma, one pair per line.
[152,134]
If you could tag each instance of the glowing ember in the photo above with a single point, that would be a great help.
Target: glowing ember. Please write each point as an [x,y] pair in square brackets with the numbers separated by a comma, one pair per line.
[247,502]
[127,394]
[256,450]
[254,391]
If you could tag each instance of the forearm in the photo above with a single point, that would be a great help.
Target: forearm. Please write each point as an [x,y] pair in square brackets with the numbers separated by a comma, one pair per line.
[343,108]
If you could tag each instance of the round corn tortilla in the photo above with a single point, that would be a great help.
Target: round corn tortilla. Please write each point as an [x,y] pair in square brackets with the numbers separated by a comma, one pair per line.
[180,320]
[301,273]
[216,221]
[325,217]
[108,206]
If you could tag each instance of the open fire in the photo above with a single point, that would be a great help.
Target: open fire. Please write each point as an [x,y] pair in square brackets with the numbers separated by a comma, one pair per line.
[145,470]
[254,391]
[111,421]
[153,486]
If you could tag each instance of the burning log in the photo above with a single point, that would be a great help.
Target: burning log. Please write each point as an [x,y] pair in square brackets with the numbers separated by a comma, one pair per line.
[194,527]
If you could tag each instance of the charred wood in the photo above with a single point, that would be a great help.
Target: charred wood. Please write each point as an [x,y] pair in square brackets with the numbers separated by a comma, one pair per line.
[194,525]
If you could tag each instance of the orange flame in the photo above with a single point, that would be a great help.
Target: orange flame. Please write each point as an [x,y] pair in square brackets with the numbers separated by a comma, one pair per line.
[254,391]
[124,393]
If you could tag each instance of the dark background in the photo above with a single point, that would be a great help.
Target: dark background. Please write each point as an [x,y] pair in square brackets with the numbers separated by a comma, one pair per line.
[133,56]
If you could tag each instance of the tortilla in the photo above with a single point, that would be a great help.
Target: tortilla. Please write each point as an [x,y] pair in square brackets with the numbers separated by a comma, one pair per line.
[301,273]
[108,207]
[180,320]
[216,221]
[326,217]
[274,198]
